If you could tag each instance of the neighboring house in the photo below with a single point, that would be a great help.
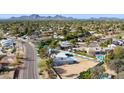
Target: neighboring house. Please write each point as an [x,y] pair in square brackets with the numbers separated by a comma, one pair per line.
[92,51]
[58,36]
[111,46]
[81,39]
[65,45]
[7,43]
[118,42]
[63,58]
[92,48]
[92,32]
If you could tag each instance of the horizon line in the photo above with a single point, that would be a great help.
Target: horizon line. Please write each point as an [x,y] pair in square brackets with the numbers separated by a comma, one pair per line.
[76,16]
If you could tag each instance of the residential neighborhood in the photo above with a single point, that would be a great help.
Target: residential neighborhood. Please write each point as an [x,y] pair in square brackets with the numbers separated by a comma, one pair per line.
[59,47]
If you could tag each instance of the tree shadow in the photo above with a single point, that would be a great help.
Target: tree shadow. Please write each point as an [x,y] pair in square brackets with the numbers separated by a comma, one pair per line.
[71,75]
[7,69]
[60,70]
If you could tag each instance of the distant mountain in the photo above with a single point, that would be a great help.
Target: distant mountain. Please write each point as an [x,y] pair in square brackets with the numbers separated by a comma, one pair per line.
[106,18]
[38,17]
[60,17]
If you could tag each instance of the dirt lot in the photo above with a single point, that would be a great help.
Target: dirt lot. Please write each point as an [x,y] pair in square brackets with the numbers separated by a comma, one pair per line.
[73,70]
[7,74]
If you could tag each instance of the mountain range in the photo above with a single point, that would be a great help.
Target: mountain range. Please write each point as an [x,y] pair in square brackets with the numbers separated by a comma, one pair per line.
[59,17]
[38,17]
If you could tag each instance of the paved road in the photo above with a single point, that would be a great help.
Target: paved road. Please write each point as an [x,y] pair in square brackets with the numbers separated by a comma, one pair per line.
[30,63]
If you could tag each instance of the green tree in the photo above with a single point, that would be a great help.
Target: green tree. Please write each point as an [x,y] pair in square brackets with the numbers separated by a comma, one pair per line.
[122,27]
[118,52]
[85,74]
[120,75]
[92,73]
[42,52]
[1,34]
[53,44]
[97,71]
[73,41]
[118,37]
[106,43]
[117,65]
[65,30]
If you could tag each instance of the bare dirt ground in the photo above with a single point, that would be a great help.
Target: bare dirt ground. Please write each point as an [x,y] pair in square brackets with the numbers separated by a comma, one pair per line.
[73,70]
[7,74]
[109,71]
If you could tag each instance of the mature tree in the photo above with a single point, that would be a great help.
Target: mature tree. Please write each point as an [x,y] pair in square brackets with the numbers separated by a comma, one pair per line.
[85,74]
[42,52]
[97,72]
[53,44]
[1,34]
[118,53]
[92,73]
[120,75]
[122,27]
[82,32]
[65,30]
[117,65]
[106,43]
[118,37]
[73,41]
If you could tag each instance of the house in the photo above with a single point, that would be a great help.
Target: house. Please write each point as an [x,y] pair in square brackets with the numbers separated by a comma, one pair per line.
[7,43]
[92,32]
[63,58]
[118,42]
[81,39]
[111,46]
[56,36]
[65,45]
[92,48]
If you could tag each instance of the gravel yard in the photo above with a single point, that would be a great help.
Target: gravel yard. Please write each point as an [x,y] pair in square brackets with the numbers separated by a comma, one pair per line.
[73,70]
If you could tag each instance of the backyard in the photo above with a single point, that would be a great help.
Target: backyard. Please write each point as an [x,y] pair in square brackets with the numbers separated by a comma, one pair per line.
[73,70]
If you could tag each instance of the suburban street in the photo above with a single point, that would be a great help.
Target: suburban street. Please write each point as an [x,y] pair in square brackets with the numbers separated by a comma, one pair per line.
[30,63]
[56,46]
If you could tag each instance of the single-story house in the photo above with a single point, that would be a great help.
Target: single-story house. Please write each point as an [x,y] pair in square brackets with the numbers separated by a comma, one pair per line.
[111,46]
[7,43]
[118,42]
[63,58]
[65,44]
[92,50]
[58,36]
[81,39]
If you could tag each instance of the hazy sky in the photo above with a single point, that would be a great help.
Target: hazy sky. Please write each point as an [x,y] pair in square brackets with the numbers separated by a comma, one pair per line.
[85,16]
